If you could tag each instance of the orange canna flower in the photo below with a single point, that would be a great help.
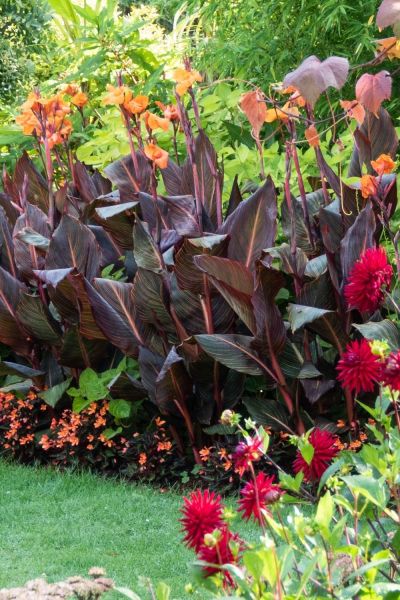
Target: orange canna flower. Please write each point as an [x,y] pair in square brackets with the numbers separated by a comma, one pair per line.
[79,99]
[354,110]
[369,186]
[295,97]
[155,122]
[383,164]
[312,136]
[287,112]
[70,89]
[157,155]
[185,79]
[117,95]
[136,105]
[391,47]
[170,112]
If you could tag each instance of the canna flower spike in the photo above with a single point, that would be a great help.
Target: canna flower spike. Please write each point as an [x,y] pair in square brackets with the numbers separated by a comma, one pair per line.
[185,79]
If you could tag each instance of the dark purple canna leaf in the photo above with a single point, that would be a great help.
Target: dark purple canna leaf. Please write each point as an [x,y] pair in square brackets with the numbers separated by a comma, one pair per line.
[74,245]
[110,251]
[27,257]
[150,365]
[315,389]
[77,352]
[252,226]
[182,215]
[234,282]
[358,238]
[122,174]
[291,264]
[146,252]
[37,320]
[173,386]
[271,331]
[7,260]
[188,276]
[374,137]
[10,210]
[126,387]
[118,221]
[28,182]
[325,323]
[12,333]
[234,351]
[235,197]
[113,308]
[388,13]
[178,180]
[151,299]
[84,183]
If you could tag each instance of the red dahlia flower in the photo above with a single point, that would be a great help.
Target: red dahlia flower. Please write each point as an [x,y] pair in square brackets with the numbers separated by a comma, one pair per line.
[257,495]
[246,453]
[370,275]
[325,450]
[391,371]
[202,513]
[359,369]
[226,551]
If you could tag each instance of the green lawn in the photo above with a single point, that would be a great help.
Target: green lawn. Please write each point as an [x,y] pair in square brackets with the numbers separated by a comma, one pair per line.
[61,524]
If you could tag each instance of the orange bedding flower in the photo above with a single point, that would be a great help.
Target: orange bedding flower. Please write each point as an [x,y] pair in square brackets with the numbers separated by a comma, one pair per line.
[137,104]
[369,186]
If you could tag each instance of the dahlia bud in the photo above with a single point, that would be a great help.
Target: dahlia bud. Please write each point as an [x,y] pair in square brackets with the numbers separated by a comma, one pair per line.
[209,540]
[227,417]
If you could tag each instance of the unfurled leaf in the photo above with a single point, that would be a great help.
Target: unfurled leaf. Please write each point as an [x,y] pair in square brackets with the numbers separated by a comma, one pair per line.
[388,13]
[384,330]
[359,237]
[253,106]
[372,90]
[313,77]
[311,135]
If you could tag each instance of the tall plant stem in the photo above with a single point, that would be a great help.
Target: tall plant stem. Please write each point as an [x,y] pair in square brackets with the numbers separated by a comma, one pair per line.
[49,173]
[214,171]
[300,181]
[190,147]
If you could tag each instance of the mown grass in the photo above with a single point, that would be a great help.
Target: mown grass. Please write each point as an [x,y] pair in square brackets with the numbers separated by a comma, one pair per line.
[61,524]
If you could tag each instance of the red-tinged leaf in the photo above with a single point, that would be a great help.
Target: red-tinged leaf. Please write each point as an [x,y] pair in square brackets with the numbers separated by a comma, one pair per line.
[311,135]
[372,90]
[388,13]
[252,225]
[187,274]
[37,320]
[113,308]
[358,238]
[77,352]
[84,183]
[126,387]
[145,250]
[313,77]
[26,174]
[234,282]
[123,176]
[234,351]
[74,245]
[271,331]
[182,215]
[12,333]
[26,255]
[253,106]
[235,197]
[7,260]
[173,385]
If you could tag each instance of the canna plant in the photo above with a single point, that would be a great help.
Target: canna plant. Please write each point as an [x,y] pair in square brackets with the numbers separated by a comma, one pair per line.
[147,261]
